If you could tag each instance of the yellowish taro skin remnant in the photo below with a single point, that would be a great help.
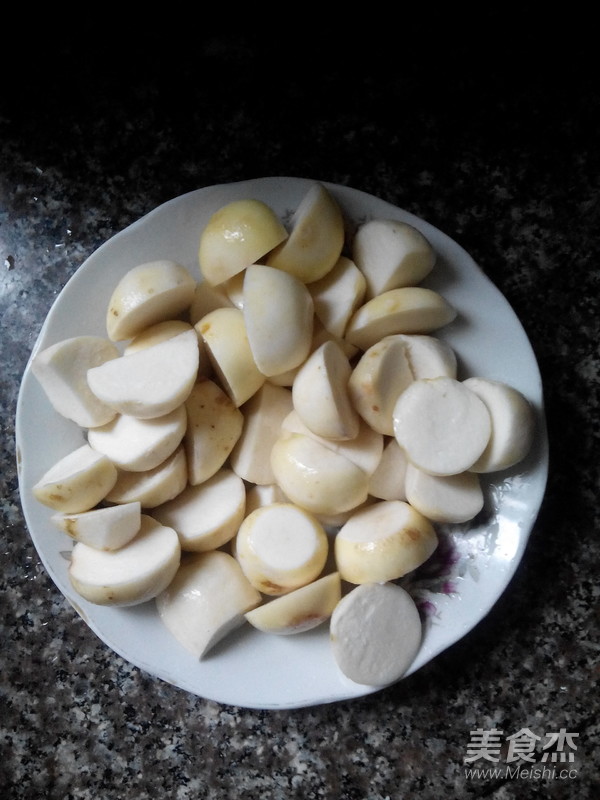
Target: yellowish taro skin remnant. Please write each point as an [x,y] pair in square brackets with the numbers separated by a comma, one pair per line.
[301,610]
[316,477]
[147,294]
[237,235]
[383,542]
[77,482]
[225,337]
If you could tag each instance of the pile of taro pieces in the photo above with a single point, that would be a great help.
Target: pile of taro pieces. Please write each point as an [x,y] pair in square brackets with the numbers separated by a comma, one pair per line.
[275,442]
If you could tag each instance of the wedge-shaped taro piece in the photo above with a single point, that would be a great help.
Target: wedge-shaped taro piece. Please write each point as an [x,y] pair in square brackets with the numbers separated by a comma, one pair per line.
[316,237]
[136,444]
[364,450]
[280,548]
[383,542]
[148,293]
[375,633]
[278,312]
[389,366]
[443,426]
[134,574]
[338,294]
[62,371]
[263,415]
[206,516]
[320,394]
[301,610]
[107,528]
[238,234]
[444,498]
[388,480]
[378,379]
[225,337]
[315,477]
[428,356]
[206,601]
[513,424]
[150,382]
[152,487]
[76,482]
[391,254]
[214,425]
[411,309]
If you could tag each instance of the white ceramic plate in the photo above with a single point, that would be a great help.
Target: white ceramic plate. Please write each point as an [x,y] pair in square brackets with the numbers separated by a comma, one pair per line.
[458,587]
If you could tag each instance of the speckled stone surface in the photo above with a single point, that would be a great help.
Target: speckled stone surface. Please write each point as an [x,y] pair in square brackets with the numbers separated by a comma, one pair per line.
[496,145]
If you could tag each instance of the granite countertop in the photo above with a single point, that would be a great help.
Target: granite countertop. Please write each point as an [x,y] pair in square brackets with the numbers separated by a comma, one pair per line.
[501,155]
